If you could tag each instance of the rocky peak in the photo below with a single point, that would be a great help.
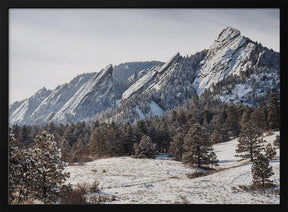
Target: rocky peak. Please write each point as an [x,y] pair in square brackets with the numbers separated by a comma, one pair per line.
[109,69]
[228,34]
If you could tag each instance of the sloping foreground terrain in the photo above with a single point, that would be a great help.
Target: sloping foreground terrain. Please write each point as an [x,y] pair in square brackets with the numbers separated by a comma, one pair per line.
[165,181]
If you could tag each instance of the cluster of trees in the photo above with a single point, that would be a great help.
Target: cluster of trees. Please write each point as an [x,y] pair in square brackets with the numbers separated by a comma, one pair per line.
[255,82]
[81,141]
[37,172]
[251,146]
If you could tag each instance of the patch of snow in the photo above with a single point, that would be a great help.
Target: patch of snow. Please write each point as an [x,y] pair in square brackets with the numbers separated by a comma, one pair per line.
[156,110]
[117,102]
[140,113]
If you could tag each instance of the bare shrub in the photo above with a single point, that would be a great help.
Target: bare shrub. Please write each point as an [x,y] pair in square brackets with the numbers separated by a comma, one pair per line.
[94,187]
[198,174]
[89,188]
[184,200]
[100,199]
[76,196]
[258,187]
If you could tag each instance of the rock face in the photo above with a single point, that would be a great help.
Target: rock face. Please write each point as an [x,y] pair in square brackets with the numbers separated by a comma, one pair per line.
[84,96]
[96,95]
[234,69]
[230,54]
[78,100]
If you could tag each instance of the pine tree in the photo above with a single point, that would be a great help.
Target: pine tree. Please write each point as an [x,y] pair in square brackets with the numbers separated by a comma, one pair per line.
[78,150]
[25,137]
[258,117]
[146,148]
[129,139]
[116,138]
[196,144]
[163,137]
[263,109]
[96,146]
[274,112]
[21,177]
[181,118]
[245,116]
[49,168]
[66,150]
[232,121]
[270,151]
[16,134]
[12,164]
[216,137]
[176,146]
[249,141]
[69,134]
[261,170]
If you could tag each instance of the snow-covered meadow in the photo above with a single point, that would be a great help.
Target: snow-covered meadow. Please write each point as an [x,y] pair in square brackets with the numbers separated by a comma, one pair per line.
[164,181]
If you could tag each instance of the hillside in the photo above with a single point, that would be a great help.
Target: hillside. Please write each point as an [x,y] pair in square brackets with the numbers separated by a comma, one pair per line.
[164,181]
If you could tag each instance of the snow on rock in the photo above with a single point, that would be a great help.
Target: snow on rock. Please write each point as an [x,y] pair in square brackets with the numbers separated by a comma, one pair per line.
[158,181]
[140,113]
[168,63]
[97,85]
[140,83]
[156,110]
[19,114]
[20,111]
[150,78]
[58,97]
[229,54]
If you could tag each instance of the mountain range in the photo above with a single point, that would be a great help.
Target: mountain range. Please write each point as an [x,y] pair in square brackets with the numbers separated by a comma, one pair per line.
[234,69]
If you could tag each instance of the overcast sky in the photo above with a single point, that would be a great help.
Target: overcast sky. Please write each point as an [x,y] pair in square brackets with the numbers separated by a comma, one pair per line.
[48,47]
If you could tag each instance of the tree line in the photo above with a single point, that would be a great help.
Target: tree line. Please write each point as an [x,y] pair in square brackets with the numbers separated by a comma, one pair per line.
[83,141]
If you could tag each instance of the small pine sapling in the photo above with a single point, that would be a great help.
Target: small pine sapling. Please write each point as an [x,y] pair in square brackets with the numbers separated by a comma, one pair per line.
[261,170]
[249,142]
[270,151]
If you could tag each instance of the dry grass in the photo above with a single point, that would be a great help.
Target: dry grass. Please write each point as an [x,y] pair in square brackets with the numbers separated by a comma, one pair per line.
[257,187]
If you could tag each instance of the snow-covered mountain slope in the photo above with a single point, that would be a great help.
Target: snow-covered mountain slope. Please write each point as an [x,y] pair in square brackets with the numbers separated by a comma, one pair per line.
[151,78]
[72,101]
[230,54]
[234,69]
[161,181]
[80,99]
[141,83]
[94,96]
[20,111]
[57,99]
[125,74]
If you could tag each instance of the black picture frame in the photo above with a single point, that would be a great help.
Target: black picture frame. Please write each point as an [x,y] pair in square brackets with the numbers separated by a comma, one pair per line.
[4,88]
